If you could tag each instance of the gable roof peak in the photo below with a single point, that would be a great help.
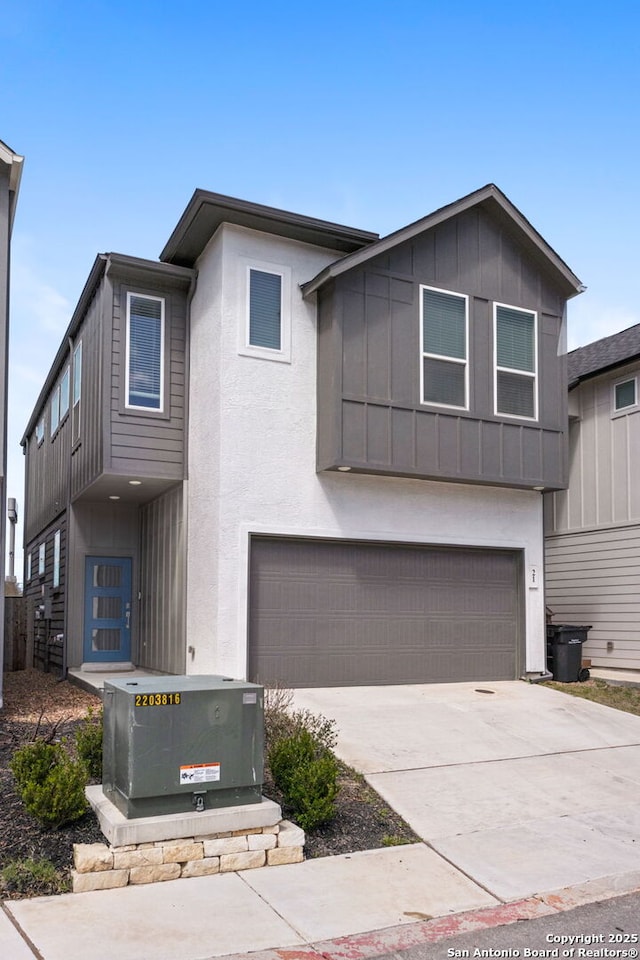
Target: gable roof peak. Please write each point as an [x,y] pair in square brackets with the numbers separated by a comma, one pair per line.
[494,201]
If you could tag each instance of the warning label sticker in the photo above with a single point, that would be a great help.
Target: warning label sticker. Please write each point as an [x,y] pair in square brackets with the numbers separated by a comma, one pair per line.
[199,772]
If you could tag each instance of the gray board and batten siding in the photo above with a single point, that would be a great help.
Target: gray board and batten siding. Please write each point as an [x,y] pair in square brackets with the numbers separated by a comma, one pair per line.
[593,577]
[112,441]
[162,610]
[370,415]
[72,473]
[326,613]
[149,442]
[592,529]
[47,652]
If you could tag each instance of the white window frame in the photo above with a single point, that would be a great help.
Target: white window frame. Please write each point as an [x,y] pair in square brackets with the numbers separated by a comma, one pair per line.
[55,410]
[245,347]
[28,570]
[56,559]
[162,301]
[40,431]
[42,558]
[524,373]
[64,395]
[631,407]
[76,389]
[77,373]
[438,356]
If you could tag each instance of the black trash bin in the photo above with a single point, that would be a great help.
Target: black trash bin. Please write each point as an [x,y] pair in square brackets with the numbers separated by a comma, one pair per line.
[564,651]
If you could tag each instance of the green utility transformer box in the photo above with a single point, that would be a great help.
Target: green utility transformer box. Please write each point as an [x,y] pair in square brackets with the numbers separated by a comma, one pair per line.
[182,744]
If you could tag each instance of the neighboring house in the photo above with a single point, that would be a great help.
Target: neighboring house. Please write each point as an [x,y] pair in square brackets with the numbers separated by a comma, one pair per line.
[10,173]
[593,527]
[295,452]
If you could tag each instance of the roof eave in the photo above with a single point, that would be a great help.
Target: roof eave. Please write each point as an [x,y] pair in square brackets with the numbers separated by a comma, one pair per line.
[95,275]
[103,264]
[14,162]
[607,368]
[226,209]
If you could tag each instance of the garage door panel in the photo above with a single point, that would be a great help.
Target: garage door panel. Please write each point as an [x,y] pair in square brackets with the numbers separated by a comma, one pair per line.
[324,613]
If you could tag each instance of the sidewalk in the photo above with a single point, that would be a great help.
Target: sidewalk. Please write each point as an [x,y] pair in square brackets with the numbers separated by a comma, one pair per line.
[353,906]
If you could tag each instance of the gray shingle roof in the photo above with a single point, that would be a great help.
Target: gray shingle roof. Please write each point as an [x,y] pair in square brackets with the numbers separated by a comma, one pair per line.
[603,354]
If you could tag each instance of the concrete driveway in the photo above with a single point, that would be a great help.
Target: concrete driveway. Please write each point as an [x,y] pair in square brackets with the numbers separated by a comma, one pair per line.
[524,789]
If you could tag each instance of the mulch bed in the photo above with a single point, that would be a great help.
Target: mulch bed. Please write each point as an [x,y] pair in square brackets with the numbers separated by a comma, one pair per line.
[37,703]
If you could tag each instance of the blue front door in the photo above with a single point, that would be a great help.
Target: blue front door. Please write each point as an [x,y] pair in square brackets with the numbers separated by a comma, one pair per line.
[107,609]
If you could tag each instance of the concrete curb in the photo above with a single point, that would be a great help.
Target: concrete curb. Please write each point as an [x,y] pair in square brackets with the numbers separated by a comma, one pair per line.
[365,946]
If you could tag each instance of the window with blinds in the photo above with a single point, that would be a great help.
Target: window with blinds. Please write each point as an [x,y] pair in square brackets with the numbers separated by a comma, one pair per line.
[445,347]
[515,352]
[265,310]
[145,352]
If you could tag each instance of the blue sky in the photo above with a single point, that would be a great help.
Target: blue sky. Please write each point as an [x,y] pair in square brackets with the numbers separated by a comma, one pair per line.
[369,113]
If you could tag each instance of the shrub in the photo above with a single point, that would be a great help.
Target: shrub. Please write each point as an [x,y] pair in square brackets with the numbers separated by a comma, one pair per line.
[281,721]
[88,738]
[50,784]
[33,762]
[307,773]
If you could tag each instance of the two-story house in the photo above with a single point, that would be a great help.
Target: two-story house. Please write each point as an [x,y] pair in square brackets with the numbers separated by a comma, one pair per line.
[593,527]
[10,175]
[296,452]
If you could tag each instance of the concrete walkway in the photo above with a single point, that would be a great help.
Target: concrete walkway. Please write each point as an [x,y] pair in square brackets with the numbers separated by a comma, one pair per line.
[525,798]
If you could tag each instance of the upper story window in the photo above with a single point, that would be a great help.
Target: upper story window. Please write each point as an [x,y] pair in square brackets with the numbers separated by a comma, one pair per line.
[55,410]
[64,395]
[40,431]
[145,352]
[60,401]
[445,348]
[77,389]
[267,332]
[42,556]
[625,394]
[265,310]
[515,353]
[28,570]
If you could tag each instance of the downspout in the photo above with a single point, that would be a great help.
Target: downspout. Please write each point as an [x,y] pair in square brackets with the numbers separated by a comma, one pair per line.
[187,650]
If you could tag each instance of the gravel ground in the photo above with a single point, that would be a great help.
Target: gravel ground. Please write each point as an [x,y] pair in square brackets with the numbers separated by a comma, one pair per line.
[37,703]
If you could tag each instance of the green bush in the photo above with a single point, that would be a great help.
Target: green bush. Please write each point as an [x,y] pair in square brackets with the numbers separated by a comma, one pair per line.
[33,761]
[88,738]
[50,784]
[307,773]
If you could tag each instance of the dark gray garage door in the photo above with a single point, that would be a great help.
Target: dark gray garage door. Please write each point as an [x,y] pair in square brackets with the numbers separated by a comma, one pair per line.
[326,613]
